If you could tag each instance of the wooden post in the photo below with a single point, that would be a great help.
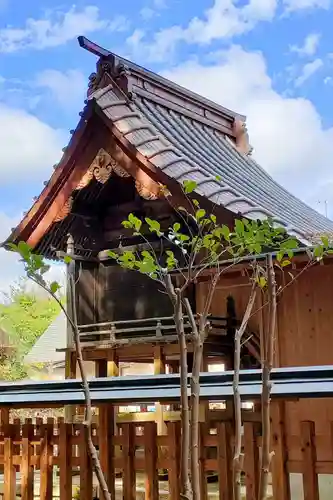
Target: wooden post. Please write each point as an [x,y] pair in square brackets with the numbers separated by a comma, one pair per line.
[280,476]
[224,460]
[70,356]
[174,459]
[129,476]
[27,469]
[310,478]
[159,368]
[46,468]
[9,468]
[106,427]
[86,475]
[251,461]
[65,461]
[151,455]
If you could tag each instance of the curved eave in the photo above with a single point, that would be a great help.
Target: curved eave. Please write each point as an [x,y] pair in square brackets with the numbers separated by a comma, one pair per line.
[53,187]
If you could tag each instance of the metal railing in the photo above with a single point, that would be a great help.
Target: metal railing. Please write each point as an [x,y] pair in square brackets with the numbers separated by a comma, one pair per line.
[287,383]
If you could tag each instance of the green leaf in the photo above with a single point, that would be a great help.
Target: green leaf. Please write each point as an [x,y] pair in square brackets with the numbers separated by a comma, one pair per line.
[54,287]
[218,177]
[154,226]
[176,227]
[189,186]
[67,259]
[24,249]
[290,244]
[325,241]
[262,282]
[213,218]
[200,214]
[183,237]
[239,227]
[285,263]
[279,256]
[226,232]
[318,251]
[112,254]
[195,202]
[136,223]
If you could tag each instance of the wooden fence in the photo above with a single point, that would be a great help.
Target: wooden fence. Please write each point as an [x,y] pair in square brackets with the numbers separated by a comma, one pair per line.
[49,459]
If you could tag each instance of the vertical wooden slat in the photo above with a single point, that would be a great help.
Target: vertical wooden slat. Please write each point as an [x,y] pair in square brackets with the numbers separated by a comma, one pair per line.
[280,476]
[65,461]
[106,424]
[129,476]
[151,455]
[46,467]
[27,469]
[159,368]
[251,461]
[174,459]
[86,473]
[9,486]
[38,435]
[17,439]
[310,478]
[106,444]
[224,459]
[202,458]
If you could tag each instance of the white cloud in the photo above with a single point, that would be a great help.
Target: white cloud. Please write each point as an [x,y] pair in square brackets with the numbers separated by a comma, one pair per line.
[308,70]
[287,133]
[223,20]
[56,28]
[147,13]
[28,146]
[309,47]
[69,87]
[11,269]
[293,5]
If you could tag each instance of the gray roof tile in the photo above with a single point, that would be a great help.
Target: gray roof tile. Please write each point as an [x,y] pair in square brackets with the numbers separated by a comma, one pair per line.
[45,349]
[185,148]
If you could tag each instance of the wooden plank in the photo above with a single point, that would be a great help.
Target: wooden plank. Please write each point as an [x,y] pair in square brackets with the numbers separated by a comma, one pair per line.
[46,468]
[9,487]
[251,461]
[106,418]
[174,459]
[65,461]
[128,448]
[159,368]
[151,455]
[310,478]
[224,460]
[86,472]
[27,469]
[280,476]
[106,445]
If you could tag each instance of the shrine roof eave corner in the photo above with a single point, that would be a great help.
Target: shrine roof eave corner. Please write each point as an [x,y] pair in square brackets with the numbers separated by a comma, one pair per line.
[42,203]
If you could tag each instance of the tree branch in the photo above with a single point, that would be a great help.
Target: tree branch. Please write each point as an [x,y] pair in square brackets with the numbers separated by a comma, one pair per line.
[238,455]
[266,454]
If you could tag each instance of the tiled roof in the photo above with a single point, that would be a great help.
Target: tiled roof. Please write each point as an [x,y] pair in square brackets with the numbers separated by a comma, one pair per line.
[185,148]
[45,349]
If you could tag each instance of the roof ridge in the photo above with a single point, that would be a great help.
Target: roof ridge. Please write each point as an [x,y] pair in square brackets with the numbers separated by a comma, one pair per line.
[121,66]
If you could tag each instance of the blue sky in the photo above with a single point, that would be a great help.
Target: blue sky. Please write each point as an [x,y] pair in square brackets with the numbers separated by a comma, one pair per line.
[269,59]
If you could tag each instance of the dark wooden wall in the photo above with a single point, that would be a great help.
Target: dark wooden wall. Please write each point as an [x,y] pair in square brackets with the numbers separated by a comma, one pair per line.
[109,293]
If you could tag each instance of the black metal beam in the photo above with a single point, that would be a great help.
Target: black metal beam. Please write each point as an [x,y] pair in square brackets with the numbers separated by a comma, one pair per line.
[287,383]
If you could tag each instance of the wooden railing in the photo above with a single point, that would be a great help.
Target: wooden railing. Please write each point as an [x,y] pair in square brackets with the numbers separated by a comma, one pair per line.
[40,458]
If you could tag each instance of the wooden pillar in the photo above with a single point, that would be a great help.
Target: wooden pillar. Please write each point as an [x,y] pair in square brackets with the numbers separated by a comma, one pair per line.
[159,368]
[106,427]
[70,357]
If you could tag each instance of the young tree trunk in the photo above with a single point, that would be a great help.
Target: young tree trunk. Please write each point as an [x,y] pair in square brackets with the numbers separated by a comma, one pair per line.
[266,454]
[88,409]
[238,455]
[176,298]
[198,341]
